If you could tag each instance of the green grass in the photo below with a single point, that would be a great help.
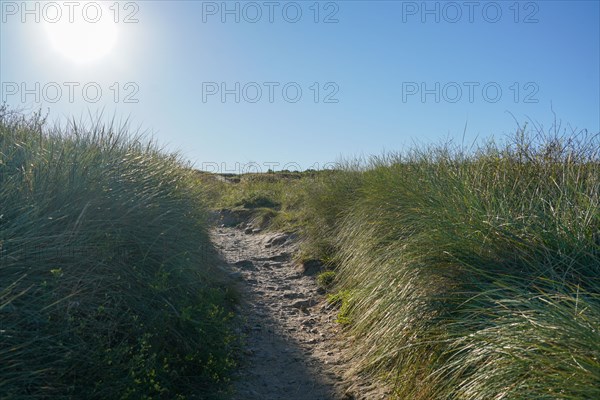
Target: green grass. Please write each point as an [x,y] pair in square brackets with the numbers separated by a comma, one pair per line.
[341,300]
[108,285]
[326,279]
[460,274]
[276,200]
[470,275]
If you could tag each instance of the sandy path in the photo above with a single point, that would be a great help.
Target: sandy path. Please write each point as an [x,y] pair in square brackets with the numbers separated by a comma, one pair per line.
[291,347]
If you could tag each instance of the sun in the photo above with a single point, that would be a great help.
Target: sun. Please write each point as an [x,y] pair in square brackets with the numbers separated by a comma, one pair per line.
[83,37]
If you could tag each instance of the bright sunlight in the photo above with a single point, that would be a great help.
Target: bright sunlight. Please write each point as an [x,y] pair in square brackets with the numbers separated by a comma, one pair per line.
[86,35]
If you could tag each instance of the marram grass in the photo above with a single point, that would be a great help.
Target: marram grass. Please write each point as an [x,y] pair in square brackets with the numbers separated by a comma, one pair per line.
[107,279]
[471,275]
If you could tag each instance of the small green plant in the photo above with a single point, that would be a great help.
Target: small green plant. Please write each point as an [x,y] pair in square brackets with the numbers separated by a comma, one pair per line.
[325,279]
[342,300]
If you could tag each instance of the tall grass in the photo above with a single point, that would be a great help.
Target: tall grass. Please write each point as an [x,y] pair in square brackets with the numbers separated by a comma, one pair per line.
[107,280]
[275,200]
[472,274]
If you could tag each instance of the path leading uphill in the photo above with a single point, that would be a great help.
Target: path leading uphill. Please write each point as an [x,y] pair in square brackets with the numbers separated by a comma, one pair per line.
[292,346]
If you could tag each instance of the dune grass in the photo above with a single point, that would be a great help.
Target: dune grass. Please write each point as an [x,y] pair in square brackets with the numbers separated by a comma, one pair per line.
[460,273]
[108,286]
[275,200]
[470,274]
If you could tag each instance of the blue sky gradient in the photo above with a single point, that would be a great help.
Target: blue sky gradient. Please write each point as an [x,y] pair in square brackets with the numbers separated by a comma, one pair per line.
[361,67]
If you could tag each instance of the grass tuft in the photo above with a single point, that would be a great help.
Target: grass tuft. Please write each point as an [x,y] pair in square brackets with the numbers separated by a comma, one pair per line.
[470,274]
[108,287]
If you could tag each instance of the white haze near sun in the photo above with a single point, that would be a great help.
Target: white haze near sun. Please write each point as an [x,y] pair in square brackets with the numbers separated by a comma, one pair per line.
[85,37]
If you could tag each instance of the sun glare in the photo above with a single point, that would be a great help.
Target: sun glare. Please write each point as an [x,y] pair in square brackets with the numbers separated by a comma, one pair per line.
[86,38]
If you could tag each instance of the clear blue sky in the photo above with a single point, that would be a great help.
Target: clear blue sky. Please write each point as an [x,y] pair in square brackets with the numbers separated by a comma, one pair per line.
[361,67]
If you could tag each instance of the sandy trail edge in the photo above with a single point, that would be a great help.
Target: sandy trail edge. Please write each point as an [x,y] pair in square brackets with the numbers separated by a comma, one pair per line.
[293,350]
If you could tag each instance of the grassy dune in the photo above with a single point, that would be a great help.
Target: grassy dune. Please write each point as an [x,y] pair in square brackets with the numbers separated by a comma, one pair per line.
[107,279]
[462,274]
[470,276]
[274,200]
